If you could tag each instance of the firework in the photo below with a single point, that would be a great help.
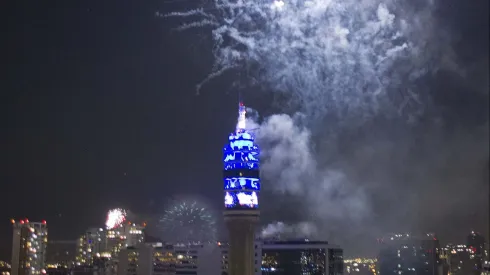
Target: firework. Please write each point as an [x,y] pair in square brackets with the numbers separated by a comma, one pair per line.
[187,221]
[328,56]
[115,217]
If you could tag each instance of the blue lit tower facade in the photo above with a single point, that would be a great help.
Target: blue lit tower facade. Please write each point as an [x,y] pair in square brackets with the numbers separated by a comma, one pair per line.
[241,197]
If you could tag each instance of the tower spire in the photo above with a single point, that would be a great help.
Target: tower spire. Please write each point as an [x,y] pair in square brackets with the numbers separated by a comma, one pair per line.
[241,116]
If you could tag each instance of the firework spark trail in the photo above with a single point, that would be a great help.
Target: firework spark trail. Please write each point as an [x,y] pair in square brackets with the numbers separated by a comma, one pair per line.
[328,55]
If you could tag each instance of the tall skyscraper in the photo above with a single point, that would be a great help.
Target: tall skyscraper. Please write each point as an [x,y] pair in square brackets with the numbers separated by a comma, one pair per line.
[241,191]
[29,247]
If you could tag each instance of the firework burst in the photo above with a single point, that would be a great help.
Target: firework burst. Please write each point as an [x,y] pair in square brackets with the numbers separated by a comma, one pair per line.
[187,221]
[329,56]
[115,217]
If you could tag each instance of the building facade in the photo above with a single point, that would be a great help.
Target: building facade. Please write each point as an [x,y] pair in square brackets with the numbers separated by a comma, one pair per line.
[476,243]
[91,245]
[124,235]
[99,243]
[29,247]
[360,266]
[166,259]
[407,254]
[459,259]
[292,257]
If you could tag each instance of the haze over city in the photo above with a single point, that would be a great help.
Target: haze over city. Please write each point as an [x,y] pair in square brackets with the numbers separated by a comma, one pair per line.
[110,104]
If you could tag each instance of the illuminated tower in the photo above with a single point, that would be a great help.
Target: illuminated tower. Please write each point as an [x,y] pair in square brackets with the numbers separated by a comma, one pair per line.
[241,191]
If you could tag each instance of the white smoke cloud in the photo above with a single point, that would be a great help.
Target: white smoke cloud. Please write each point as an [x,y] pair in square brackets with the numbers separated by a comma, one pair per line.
[289,166]
[286,155]
[281,230]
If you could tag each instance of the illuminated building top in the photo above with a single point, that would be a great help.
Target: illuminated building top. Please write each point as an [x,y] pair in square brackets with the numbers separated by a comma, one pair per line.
[241,167]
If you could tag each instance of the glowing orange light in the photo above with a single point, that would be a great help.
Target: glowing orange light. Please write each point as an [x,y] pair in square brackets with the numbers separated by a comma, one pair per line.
[12,221]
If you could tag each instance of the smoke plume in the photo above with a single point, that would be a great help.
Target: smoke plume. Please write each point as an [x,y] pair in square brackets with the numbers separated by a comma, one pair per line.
[280,230]
[381,177]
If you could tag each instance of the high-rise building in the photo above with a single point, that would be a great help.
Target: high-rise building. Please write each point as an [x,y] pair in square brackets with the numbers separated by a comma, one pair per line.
[476,243]
[291,257]
[98,249]
[301,257]
[91,245]
[241,192]
[459,259]
[124,235]
[407,254]
[29,247]
[134,234]
[429,256]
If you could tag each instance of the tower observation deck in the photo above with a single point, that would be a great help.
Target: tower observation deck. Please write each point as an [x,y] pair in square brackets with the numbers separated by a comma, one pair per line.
[241,196]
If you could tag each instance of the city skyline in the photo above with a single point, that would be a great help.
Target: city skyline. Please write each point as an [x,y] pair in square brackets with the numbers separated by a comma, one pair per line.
[283,234]
[96,243]
[102,113]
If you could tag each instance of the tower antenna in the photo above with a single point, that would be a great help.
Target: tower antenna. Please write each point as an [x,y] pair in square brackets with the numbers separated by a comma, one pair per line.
[241,115]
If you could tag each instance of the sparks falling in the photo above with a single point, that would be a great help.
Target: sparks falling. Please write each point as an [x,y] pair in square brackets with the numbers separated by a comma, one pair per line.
[327,56]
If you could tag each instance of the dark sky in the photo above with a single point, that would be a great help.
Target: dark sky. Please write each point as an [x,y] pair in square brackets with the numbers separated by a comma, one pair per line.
[99,111]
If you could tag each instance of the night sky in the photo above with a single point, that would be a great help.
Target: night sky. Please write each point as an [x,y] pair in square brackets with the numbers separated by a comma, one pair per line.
[100,110]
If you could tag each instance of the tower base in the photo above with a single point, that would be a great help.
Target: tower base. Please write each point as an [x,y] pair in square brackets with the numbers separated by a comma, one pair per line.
[241,253]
